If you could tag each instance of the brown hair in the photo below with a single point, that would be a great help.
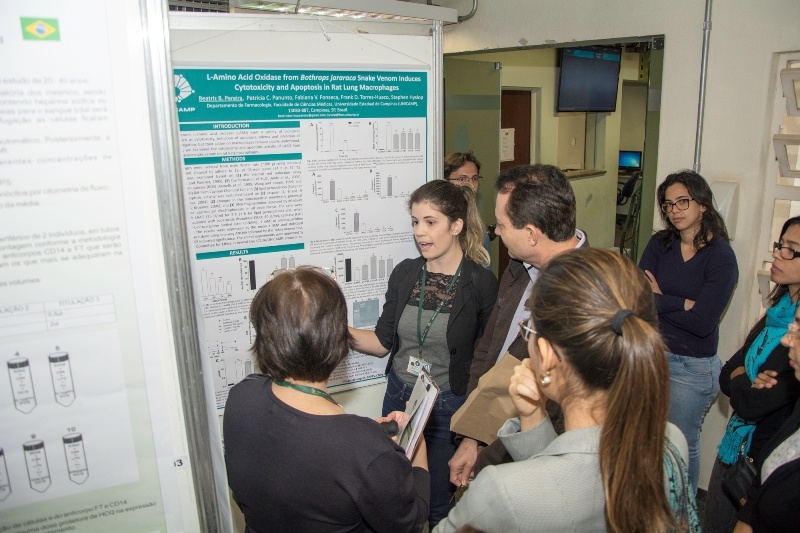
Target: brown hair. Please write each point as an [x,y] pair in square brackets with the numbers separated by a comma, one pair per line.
[454,202]
[457,160]
[300,319]
[574,303]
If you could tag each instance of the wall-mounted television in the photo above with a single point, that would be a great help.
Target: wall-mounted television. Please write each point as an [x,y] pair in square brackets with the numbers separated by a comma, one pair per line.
[630,160]
[589,78]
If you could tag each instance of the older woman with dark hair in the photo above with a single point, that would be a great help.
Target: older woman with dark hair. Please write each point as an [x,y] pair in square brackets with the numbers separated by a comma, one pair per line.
[692,271]
[295,460]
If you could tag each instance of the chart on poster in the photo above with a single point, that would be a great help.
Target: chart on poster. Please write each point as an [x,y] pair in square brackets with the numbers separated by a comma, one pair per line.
[290,167]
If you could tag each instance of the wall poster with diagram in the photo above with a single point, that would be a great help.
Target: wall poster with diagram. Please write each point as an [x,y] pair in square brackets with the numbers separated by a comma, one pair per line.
[288,167]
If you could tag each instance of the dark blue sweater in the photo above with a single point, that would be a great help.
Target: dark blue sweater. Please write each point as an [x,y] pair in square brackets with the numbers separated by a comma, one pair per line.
[708,278]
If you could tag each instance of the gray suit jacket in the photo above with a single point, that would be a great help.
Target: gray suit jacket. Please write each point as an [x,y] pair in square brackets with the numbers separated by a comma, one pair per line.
[554,484]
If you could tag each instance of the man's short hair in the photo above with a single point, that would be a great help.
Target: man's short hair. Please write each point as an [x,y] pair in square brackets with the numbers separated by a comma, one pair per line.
[457,160]
[542,196]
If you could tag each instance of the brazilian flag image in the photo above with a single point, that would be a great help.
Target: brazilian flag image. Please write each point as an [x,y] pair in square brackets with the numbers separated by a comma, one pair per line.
[40,29]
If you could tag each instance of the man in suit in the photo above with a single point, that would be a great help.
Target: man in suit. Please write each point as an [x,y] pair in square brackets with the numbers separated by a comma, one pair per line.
[535,213]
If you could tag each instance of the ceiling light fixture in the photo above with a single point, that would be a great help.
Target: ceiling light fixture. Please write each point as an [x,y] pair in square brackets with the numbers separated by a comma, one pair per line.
[357,9]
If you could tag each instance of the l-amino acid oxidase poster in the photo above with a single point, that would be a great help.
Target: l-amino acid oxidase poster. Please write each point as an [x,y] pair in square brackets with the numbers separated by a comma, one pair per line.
[286,167]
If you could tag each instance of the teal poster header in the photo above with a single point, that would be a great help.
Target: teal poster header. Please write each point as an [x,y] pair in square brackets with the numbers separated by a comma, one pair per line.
[206,95]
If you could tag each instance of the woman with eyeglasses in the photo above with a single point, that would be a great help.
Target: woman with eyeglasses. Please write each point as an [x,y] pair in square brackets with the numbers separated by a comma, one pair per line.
[463,168]
[595,349]
[437,306]
[295,460]
[758,411]
[773,503]
[692,271]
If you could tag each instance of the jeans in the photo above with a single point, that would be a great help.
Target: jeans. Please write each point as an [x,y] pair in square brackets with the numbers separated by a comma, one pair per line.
[694,385]
[721,514]
[438,438]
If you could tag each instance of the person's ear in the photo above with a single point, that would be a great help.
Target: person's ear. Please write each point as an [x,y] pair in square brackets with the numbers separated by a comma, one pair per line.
[456,226]
[532,234]
[548,358]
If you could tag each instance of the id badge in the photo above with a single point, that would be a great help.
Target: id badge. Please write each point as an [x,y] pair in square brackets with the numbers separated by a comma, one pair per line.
[416,364]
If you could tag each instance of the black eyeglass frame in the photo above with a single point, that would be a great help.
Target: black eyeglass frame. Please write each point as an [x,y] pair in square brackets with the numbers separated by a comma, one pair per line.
[780,248]
[668,207]
[472,179]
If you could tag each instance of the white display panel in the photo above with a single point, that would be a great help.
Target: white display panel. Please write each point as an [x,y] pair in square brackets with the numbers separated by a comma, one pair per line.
[90,415]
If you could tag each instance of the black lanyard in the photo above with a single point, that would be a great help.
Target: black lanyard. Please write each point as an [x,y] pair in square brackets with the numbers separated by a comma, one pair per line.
[422,335]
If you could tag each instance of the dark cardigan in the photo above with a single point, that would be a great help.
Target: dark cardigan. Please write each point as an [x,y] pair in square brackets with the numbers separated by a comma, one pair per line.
[476,292]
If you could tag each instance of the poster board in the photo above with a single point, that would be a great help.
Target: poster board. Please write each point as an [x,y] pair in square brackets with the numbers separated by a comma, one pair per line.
[94,435]
[307,156]
[106,409]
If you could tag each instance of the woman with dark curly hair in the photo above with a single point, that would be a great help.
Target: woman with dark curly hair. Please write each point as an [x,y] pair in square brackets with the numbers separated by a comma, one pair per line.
[692,271]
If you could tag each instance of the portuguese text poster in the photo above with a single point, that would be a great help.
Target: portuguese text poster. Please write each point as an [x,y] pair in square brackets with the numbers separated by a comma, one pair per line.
[85,443]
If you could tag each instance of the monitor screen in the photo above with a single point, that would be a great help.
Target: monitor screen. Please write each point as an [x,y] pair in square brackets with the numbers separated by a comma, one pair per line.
[630,160]
[589,78]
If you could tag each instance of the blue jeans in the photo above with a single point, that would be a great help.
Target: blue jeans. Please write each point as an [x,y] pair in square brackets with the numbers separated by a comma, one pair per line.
[438,438]
[694,385]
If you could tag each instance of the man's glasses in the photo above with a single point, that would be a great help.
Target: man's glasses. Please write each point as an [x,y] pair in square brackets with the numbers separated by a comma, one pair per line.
[525,329]
[681,203]
[466,179]
[784,251]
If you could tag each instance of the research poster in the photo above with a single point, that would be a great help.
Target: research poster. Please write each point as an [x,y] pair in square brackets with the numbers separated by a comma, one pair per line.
[85,441]
[290,167]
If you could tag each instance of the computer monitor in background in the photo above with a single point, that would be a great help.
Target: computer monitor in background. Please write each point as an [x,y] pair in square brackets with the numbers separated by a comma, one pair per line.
[589,79]
[630,160]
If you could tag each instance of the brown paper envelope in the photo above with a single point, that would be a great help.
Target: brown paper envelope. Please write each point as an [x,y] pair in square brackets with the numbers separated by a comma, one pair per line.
[489,405]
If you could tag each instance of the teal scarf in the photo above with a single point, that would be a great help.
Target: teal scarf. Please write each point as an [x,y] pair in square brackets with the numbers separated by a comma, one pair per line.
[739,432]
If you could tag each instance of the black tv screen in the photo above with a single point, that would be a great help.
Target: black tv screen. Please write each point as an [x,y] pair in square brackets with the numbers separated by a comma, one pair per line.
[589,78]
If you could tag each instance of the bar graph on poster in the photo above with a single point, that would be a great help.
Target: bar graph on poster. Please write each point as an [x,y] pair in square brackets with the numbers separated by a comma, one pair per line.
[283,168]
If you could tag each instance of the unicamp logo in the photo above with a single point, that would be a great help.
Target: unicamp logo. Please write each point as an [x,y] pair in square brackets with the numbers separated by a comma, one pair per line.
[182,88]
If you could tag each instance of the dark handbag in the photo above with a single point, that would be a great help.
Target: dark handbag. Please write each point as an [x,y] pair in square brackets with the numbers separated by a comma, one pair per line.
[738,479]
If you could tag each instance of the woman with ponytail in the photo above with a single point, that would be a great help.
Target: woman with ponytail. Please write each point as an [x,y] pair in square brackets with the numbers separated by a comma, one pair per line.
[758,410]
[619,466]
[437,307]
